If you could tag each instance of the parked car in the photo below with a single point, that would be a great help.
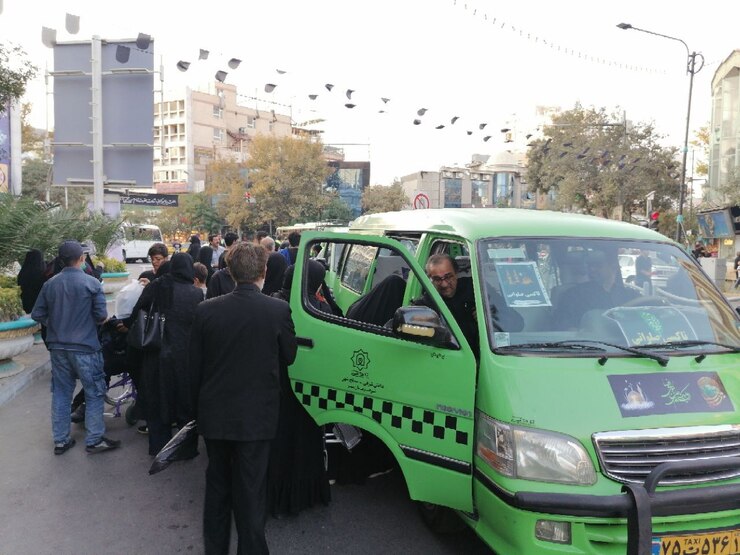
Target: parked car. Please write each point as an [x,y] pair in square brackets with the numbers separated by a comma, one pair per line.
[661,270]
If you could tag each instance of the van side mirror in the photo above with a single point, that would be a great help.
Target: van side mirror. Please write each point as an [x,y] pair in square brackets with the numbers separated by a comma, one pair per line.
[421,323]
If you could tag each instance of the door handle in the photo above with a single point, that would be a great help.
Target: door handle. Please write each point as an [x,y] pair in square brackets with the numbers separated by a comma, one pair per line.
[304,341]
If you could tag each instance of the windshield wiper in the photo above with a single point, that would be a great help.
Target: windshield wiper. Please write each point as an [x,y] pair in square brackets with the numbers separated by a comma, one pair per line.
[688,343]
[562,345]
[590,345]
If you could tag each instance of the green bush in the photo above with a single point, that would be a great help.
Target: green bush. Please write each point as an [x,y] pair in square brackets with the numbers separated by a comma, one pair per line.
[10,304]
[110,265]
[8,281]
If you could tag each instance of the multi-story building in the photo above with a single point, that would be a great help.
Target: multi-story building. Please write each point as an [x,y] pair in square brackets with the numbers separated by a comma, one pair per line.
[486,182]
[194,130]
[724,158]
[724,151]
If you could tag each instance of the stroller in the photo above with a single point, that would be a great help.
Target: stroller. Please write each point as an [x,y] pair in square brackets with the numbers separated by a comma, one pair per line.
[121,388]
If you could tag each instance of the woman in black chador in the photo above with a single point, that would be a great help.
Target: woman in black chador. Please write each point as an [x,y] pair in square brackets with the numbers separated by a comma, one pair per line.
[169,387]
[296,476]
[31,278]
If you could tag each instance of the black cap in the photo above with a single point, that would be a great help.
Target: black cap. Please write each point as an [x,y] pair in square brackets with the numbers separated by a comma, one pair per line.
[70,249]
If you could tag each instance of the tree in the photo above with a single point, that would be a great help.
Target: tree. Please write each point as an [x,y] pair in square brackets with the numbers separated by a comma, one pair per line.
[200,213]
[598,166]
[227,181]
[701,141]
[15,72]
[287,176]
[335,209]
[31,141]
[384,198]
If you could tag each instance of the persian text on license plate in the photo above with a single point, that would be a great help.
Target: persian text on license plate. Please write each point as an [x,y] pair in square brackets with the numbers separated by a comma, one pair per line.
[725,542]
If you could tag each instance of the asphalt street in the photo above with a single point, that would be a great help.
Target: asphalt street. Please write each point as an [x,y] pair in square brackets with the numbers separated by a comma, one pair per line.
[108,503]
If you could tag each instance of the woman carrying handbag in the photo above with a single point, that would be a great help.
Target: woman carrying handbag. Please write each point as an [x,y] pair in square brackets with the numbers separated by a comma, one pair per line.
[171,299]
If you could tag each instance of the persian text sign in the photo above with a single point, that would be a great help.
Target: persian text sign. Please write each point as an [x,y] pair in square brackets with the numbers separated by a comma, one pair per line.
[150,200]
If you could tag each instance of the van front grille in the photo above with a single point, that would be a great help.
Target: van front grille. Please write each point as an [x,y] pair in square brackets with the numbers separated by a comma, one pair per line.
[629,456]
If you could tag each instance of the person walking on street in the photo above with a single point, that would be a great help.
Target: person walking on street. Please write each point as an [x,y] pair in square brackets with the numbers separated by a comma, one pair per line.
[237,344]
[71,305]
[214,241]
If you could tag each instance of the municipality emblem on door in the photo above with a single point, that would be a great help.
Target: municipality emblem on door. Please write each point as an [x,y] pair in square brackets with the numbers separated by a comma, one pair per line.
[360,360]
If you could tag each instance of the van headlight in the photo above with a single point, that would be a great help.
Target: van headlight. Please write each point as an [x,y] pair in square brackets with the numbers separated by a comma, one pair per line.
[533,454]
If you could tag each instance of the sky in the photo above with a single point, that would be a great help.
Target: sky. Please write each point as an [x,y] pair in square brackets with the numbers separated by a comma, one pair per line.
[484,62]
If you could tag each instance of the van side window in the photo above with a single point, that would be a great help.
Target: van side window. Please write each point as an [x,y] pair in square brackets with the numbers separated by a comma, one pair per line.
[357,267]
[369,289]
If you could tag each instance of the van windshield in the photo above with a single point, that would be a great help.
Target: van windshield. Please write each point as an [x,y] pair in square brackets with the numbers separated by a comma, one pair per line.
[625,293]
[142,234]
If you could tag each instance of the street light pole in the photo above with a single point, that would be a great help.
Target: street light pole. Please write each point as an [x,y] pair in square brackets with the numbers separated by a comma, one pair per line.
[692,70]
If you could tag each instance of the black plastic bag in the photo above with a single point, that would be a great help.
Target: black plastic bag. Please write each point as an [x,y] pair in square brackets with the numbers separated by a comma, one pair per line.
[182,446]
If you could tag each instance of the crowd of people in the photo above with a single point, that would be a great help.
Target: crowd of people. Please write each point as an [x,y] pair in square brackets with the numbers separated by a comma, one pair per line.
[226,343]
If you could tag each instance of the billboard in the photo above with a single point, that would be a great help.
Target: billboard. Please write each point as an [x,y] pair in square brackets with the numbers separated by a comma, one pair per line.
[127,114]
[716,224]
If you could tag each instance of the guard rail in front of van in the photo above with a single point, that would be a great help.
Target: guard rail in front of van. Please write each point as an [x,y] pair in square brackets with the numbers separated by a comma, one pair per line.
[638,502]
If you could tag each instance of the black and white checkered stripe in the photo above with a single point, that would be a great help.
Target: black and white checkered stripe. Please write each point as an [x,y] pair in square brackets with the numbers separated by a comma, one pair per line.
[420,421]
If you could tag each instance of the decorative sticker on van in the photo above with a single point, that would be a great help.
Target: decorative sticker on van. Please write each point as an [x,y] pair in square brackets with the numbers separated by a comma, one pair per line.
[521,284]
[670,393]
[655,324]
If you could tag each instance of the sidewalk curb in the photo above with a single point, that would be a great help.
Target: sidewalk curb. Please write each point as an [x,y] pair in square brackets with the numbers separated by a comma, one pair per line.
[37,365]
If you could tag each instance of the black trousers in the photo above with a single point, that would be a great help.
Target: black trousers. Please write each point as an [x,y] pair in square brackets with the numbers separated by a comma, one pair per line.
[236,481]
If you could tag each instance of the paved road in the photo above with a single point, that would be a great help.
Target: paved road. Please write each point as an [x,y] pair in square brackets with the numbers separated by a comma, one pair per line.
[107,503]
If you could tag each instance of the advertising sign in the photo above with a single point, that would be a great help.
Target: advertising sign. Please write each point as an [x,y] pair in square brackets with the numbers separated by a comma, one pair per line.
[4,152]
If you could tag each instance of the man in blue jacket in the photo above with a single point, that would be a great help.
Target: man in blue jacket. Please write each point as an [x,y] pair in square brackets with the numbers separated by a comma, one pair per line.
[71,305]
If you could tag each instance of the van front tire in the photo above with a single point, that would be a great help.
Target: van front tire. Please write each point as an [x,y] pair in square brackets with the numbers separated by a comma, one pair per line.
[441,520]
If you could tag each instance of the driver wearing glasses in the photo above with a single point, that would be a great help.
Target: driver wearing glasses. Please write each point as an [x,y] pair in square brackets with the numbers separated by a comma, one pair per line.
[457,293]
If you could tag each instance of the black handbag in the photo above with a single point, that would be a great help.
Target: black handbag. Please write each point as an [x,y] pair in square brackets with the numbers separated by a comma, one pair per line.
[147,330]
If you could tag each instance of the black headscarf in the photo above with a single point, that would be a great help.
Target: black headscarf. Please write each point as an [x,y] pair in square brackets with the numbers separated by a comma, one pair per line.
[205,257]
[194,248]
[316,272]
[276,266]
[179,269]
[31,278]
[284,292]
[379,305]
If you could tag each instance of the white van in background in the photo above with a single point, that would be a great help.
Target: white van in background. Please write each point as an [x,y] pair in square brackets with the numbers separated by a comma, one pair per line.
[137,239]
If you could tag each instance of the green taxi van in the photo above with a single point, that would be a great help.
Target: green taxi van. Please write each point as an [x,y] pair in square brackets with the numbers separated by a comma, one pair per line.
[603,418]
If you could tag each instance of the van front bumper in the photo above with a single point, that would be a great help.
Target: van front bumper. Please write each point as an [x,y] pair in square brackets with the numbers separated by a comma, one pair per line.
[638,503]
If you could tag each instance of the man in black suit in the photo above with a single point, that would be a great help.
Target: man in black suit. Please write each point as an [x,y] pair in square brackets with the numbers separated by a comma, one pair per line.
[237,344]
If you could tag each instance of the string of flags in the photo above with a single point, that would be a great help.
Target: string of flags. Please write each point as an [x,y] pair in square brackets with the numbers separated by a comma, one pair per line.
[143,43]
[501,25]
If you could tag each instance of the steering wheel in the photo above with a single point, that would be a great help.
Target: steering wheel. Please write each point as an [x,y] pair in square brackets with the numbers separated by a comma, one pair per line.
[650,300]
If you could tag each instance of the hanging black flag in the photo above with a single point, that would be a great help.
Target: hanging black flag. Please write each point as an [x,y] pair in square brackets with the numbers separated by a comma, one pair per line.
[221,76]
[143,41]
[203,55]
[183,66]
[73,24]
[234,63]
[122,53]
[269,87]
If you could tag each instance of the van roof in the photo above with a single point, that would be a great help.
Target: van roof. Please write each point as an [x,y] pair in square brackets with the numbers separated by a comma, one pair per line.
[478,223]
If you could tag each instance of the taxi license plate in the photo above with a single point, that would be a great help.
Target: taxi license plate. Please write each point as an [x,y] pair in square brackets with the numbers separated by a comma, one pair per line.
[724,542]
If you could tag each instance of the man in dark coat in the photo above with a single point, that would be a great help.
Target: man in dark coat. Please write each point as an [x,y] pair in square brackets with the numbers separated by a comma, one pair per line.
[237,345]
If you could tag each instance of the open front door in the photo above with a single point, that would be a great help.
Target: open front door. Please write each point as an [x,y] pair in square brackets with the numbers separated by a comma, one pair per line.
[416,397]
